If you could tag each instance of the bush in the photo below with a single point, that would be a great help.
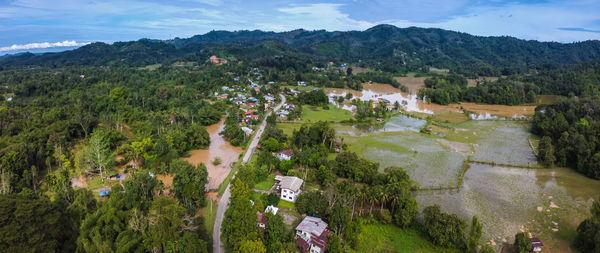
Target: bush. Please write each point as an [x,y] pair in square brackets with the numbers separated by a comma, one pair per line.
[273,199]
[384,216]
[217,161]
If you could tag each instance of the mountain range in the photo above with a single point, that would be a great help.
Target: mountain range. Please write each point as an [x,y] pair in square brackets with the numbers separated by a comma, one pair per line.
[411,46]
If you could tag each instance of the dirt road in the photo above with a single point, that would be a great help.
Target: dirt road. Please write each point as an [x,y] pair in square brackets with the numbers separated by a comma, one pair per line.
[224,201]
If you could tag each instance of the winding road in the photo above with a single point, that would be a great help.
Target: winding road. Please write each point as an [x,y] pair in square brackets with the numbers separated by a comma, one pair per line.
[224,201]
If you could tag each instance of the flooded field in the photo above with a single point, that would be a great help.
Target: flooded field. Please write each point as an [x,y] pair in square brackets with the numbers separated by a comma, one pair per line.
[219,147]
[452,112]
[431,163]
[507,196]
[548,203]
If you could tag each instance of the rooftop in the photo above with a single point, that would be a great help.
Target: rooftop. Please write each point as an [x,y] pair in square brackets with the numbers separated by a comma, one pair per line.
[292,183]
[312,225]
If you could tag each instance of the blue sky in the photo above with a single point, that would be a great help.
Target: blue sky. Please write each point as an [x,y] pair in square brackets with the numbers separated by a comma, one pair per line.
[42,25]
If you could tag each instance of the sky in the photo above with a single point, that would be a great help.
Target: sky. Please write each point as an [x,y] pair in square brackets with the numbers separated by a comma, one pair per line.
[53,25]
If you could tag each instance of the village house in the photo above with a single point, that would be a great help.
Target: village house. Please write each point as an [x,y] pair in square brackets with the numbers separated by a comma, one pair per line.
[247,131]
[285,154]
[311,235]
[261,220]
[302,83]
[251,104]
[290,106]
[289,187]
[271,209]
[283,114]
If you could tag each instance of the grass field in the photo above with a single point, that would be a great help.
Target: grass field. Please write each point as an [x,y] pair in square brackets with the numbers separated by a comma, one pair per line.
[208,213]
[288,128]
[266,184]
[390,238]
[288,205]
[315,114]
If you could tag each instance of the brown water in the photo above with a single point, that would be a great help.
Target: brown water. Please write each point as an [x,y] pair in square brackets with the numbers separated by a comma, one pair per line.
[219,147]
[410,102]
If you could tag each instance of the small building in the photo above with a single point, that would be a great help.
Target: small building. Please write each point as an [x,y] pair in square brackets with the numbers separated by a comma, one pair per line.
[247,130]
[251,104]
[285,154]
[290,106]
[290,188]
[271,209]
[283,114]
[261,220]
[536,244]
[311,235]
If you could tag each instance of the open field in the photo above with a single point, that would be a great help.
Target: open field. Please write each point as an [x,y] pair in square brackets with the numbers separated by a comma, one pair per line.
[390,238]
[315,114]
[507,196]
[266,184]
[412,83]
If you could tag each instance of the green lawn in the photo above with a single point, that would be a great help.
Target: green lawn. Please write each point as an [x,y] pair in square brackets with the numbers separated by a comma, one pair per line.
[208,213]
[389,238]
[315,114]
[286,204]
[266,184]
[288,128]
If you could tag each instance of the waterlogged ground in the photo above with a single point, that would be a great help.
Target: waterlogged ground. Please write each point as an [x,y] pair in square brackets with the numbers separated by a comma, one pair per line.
[398,143]
[507,190]
[547,203]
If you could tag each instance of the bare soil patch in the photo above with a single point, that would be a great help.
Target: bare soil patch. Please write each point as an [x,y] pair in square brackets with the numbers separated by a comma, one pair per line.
[412,83]
[499,110]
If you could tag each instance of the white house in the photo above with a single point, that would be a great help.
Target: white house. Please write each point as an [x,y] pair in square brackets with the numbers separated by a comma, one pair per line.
[285,154]
[311,235]
[271,209]
[283,114]
[247,130]
[290,188]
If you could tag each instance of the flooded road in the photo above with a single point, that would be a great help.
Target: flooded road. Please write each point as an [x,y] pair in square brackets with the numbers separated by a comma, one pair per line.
[219,147]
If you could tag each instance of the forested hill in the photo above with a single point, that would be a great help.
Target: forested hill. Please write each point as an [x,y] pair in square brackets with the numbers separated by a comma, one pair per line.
[399,48]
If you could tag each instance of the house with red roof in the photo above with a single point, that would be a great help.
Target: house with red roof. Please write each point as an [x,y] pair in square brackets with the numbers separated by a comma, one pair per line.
[311,235]
[536,244]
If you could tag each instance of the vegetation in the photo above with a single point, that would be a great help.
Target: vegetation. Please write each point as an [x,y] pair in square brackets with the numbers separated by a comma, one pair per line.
[570,131]
[588,231]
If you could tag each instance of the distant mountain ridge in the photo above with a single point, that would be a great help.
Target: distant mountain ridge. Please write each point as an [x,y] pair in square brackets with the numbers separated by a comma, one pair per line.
[416,46]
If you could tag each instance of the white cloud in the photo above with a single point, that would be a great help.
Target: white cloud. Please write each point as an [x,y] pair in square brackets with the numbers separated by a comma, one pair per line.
[66,43]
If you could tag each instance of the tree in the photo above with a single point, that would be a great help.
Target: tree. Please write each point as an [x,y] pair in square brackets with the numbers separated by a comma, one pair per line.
[271,145]
[191,243]
[274,233]
[189,183]
[29,224]
[164,224]
[255,246]
[546,151]
[444,229]
[339,218]
[588,231]
[334,244]
[522,243]
[99,154]
[474,235]
[239,224]
[197,136]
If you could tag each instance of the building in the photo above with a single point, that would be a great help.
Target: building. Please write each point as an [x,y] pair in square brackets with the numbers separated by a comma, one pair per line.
[247,131]
[261,220]
[290,106]
[271,209]
[289,188]
[285,154]
[311,235]
[536,244]
[283,114]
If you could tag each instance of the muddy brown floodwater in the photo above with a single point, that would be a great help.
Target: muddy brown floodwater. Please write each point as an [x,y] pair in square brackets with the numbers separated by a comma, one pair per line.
[219,147]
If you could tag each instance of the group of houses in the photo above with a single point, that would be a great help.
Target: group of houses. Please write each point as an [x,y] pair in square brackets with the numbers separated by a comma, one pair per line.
[283,113]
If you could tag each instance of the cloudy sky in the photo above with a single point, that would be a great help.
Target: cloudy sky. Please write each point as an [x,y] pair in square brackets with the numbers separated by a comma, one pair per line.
[44,25]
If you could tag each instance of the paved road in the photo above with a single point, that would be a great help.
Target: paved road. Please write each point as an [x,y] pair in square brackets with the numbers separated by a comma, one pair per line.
[224,201]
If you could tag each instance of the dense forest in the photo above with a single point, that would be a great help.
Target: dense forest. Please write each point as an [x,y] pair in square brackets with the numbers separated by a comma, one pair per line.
[570,133]
[383,47]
